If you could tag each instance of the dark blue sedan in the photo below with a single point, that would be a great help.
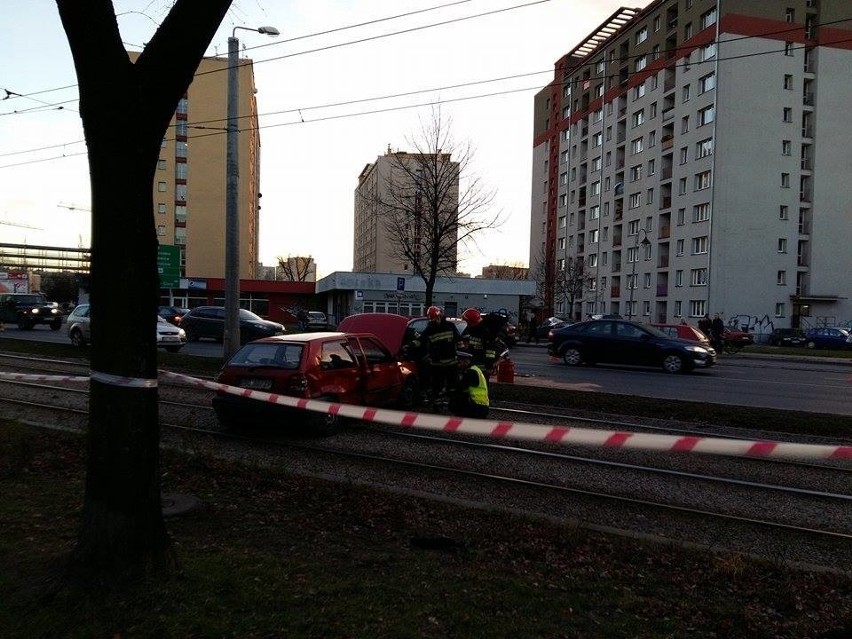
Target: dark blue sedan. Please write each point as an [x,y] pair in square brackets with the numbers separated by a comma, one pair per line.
[828,337]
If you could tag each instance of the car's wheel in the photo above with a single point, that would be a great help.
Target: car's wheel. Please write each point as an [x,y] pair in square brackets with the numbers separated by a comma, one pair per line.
[55,325]
[77,338]
[572,356]
[673,363]
[408,396]
[325,424]
[810,344]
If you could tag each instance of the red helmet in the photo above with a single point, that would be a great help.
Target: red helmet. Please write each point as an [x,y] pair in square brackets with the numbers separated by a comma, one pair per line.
[434,312]
[472,316]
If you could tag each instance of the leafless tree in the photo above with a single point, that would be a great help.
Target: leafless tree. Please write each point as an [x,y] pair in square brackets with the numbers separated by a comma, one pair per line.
[295,269]
[568,283]
[122,534]
[431,203]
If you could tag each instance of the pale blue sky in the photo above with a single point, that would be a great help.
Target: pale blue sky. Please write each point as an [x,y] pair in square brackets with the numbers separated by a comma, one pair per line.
[310,170]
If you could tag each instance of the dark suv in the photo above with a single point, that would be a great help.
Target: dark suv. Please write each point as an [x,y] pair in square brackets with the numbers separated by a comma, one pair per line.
[209,322]
[29,309]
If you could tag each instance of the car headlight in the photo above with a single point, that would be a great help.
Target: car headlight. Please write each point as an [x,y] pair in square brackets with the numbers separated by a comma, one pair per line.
[697,349]
[34,311]
[181,332]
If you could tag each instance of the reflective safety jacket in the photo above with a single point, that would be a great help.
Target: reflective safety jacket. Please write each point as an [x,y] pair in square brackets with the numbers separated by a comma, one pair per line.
[473,381]
[440,342]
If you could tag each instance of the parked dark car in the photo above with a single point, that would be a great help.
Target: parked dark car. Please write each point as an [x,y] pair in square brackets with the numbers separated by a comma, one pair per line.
[208,322]
[624,342]
[172,314]
[348,368]
[828,337]
[548,325]
[29,309]
[787,337]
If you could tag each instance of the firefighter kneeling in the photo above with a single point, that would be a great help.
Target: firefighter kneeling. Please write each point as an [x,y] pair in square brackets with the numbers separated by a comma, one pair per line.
[470,396]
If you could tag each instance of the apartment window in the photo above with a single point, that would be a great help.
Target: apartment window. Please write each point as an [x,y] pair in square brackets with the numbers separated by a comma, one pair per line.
[706,83]
[646,280]
[561,264]
[607,183]
[653,111]
[180,170]
[636,146]
[698,277]
[641,35]
[684,124]
[635,200]
[593,239]
[784,212]
[161,187]
[701,212]
[705,115]
[161,229]
[679,247]
[788,48]
[684,154]
[781,279]
[788,114]
[703,148]
[785,180]
[702,180]
[687,31]
[656,23]
[639,118]
[678,309]
[632,255]
[652,138]
[639,91]
[594,212]
[609,158]
[697,308]
[563,157]
[641,62]
[708,18]
[596,163]
[161,208]
[633,227]
[678,278]
[681,214]
[786,147]
[599,90]
[790,15]
[181,128]
[782,244]
[563,199]
[655,53]
[699,245]
[563,178]
[573,174]
[649,197]
[685,93]
[652,167]
[635,173]
[595,189]
[780,309]
[707,52]
[180,213]
[180,192]
[649,225]
[597,140]
[597,116]
[561,244]
[161,165]
[601,66]
[788,82]
[681,186]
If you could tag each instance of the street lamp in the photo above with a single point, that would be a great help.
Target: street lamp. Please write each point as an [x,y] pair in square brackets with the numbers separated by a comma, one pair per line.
[644,242]
[231,337]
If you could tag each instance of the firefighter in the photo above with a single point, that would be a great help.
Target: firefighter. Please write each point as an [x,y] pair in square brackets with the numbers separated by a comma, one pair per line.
[481,341]
[440,341]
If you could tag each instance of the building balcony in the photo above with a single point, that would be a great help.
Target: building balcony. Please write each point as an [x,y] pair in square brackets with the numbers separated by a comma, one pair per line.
[668,114]
[667,142]
[666,173]
[808,99]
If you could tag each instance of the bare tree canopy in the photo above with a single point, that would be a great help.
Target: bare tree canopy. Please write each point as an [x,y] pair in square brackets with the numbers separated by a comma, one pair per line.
[296,268]
[430,203]
[565,285]
[126,109]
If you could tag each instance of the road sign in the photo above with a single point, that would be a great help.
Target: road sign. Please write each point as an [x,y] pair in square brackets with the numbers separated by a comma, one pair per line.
[168,265]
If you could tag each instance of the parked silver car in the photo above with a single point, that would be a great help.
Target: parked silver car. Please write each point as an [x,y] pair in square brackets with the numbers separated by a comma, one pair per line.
[169,336]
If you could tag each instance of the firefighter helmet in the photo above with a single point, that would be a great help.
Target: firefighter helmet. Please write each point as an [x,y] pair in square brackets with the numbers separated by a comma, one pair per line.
[434,312]
[472,316]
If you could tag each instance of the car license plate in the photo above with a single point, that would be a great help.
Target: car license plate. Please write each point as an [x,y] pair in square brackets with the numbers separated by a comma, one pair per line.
[170,338]
[257,384]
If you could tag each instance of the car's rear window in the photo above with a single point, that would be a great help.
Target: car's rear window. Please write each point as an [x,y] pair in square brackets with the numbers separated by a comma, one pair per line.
[277,355]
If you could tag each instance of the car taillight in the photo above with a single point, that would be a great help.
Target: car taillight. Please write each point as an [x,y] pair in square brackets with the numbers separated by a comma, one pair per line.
[298,384]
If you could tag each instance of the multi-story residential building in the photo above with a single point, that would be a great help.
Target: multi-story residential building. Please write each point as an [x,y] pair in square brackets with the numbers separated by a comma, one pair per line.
[191,180]
[388,190]
[692,157]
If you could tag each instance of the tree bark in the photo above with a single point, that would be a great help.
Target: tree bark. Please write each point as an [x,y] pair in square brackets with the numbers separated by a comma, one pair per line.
[126,109]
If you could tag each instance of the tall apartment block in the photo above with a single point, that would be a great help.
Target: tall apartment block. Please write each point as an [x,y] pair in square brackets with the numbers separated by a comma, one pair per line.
[191,180]
[695,157]
[383,182]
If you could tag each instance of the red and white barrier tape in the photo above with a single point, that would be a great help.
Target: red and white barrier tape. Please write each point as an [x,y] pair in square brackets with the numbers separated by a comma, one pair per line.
[21,377]
[538,432]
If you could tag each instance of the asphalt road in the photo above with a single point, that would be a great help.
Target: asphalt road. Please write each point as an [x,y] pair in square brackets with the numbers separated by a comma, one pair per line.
[792,383]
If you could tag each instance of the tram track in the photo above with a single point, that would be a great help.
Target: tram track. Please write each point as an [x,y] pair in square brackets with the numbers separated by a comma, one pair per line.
[800,514]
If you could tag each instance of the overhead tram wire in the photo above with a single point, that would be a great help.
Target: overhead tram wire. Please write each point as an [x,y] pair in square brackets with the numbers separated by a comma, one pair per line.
[435,102]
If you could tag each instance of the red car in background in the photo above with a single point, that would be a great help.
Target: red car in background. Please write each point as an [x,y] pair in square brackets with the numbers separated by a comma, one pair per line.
[346,368]
[684,331]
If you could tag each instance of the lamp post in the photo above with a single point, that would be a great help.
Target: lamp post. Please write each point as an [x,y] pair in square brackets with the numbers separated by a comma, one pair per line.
[231,337]
[644,242]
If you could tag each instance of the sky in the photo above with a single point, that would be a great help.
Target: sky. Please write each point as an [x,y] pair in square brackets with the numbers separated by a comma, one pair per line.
[322,122]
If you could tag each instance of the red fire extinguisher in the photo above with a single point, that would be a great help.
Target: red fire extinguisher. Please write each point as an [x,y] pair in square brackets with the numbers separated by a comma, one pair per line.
[505,369]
